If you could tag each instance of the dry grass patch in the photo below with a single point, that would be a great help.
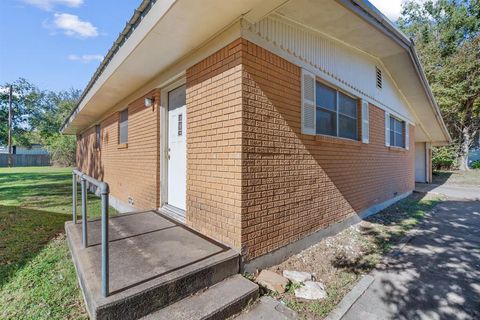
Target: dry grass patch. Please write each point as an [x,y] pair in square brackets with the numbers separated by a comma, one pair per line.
[341,260]
[457,178]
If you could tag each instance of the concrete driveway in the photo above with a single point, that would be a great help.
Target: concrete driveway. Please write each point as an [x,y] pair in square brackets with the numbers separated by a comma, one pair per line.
[436,275]
[449,190]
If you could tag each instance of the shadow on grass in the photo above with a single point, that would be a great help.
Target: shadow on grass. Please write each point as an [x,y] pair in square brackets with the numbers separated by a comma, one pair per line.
[47,194]
[36,189]
[33,209]
[440,177]
[30,177]
[436,273]
[23,234]
[384,230]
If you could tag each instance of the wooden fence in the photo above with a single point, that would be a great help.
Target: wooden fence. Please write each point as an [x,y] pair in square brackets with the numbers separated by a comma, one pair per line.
[25,160]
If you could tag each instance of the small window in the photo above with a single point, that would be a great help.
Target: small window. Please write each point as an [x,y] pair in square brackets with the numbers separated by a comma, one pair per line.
[379,77]
[336,113]
[123,127]
[97,136]
[180,123]
[397,132]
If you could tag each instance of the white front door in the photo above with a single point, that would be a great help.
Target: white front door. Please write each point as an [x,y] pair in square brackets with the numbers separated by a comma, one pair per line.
[420,162]
[177,147]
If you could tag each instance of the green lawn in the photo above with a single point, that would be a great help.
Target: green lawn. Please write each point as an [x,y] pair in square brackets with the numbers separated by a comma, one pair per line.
[37,277]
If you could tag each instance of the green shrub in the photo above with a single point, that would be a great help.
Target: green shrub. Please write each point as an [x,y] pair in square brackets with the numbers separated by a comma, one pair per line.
[62,150]
[475,164]
[443,158]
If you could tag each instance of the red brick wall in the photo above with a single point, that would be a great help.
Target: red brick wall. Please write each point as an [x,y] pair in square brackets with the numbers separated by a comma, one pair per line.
[132,171]
[253,180]
[295,184]
[214,118]
[87,157]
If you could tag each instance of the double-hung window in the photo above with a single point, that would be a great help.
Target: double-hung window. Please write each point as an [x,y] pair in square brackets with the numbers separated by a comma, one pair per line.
[336,113]
[123,127]
[397,132]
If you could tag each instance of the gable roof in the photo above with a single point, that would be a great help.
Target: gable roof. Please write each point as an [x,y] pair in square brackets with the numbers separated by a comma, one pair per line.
[187,25]
[370,13]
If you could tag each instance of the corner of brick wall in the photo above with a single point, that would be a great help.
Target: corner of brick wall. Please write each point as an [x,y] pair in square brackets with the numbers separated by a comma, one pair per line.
[214,144]
[295,184]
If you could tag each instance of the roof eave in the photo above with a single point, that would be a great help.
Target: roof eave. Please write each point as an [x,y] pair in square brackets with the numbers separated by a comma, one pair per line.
[137,16]
[371,14]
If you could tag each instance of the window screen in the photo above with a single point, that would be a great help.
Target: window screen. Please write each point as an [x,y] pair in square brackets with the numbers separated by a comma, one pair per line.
[326,110]
[177,98]
[347,117]
[123,127]
[397,132]
[336,113]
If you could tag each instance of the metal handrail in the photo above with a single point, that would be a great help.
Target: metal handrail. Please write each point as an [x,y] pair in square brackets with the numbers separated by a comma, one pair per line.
[104,191]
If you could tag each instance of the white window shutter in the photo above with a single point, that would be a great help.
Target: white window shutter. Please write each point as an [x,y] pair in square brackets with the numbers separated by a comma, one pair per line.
[407,139]
[365,122]
[308,103]
[387,129]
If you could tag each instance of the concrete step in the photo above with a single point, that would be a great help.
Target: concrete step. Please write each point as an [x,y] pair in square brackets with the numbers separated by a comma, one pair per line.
[220,301]
[154,262]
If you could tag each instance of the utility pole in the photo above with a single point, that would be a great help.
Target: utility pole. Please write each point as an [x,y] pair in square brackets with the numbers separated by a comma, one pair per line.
[10,127]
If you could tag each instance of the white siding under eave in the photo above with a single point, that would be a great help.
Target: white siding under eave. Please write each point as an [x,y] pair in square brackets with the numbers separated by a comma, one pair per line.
[346,67]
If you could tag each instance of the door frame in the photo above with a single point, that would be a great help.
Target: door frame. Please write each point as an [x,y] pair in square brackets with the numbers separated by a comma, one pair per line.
[181,80]
[428,162]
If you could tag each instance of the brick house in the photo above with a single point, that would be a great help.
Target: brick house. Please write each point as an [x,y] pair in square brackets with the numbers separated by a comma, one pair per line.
[264,125]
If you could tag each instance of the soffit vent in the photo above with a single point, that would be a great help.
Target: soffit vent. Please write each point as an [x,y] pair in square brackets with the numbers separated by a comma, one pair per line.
[379,77]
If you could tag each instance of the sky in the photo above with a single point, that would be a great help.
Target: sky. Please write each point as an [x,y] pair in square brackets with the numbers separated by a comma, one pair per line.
[58,44]
[390,8]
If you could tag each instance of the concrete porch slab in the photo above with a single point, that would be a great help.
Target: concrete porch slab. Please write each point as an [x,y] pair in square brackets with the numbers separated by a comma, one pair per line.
[154,261]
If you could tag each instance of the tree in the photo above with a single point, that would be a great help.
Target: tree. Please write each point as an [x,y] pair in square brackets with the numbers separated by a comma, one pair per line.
[38,116]
[458,89]
[54,108]
[25,99]
[61,147]
[447,37]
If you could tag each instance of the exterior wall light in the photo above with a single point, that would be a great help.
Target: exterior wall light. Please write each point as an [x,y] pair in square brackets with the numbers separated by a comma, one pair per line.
[148,102]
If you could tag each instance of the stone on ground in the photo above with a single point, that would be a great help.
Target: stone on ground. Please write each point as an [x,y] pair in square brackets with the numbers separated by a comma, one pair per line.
[311,290]
[268,308]
[272,281]
[297,276]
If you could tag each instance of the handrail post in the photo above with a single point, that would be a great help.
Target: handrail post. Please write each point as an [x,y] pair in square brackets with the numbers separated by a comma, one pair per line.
[74,197]
[104,191]
[105,257]
[84,212]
